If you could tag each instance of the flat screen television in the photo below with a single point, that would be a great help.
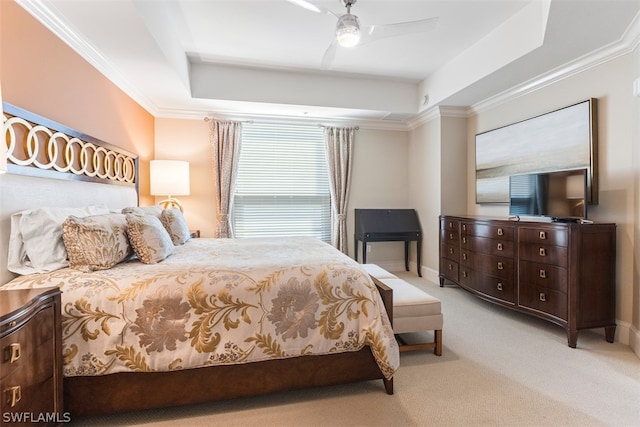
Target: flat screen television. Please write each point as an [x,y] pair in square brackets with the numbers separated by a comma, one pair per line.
[559,195]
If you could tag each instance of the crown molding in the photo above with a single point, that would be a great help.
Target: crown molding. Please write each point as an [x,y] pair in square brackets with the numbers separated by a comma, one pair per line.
[625,45]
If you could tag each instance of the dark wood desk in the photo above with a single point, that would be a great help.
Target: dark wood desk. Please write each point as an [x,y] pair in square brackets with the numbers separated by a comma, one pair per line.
[388,225]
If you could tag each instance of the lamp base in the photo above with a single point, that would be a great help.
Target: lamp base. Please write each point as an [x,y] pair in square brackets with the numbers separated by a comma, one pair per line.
[171,203]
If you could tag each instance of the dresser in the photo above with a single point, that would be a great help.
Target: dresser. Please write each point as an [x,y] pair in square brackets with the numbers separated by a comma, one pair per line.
[560,272]
[31,358]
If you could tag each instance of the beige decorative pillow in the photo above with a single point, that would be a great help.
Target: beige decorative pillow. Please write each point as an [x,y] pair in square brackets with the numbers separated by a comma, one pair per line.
[96,242]
[155,210]
[149,239]
[175,224]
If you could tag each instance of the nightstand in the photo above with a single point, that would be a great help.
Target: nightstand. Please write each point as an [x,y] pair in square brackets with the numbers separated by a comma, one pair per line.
[31,356]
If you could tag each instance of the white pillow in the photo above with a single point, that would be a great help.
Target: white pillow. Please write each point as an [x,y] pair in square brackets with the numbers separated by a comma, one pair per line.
[35,243]
[148,237]
[175,224]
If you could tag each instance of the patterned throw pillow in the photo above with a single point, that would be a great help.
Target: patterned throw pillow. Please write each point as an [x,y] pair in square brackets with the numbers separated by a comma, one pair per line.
[96,242]
[155,210]
[149,239]
[175,224]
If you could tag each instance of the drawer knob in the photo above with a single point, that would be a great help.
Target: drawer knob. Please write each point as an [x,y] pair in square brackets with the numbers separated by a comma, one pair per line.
[14,395]
[464,274]
[499,246]
[543,235]
[464,240]
[13,351]
[543,274]
[450,236]
[543,297]
[464,227]
[450,267]
[451,251]
[500,265]
[500,232]
[499,286]
[464,256]
[543,252]
[450,224]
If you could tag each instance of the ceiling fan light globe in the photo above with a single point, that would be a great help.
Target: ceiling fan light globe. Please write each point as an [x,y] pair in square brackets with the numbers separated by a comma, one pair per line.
[348,30]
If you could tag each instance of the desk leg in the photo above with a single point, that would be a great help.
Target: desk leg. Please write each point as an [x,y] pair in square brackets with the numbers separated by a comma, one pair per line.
[364,251]
[355,249]
[419,248]
[406,255]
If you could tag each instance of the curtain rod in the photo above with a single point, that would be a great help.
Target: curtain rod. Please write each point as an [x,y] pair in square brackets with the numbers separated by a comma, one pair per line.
[206,119]
[354,127]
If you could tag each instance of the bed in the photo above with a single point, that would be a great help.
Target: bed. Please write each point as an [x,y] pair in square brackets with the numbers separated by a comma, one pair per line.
[215,319]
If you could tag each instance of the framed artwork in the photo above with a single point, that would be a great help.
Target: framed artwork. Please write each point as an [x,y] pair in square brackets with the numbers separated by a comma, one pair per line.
[560,140]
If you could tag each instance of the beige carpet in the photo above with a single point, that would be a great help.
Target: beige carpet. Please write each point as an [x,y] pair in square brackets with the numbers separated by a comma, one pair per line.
[498,368]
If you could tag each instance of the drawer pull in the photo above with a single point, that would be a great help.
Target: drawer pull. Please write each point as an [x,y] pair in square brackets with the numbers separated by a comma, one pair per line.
[450,236]
[451,251]
[450,224]
[464,274]
[543,297]
[14,352]
[500,265]
[500,232]
[499,246]
[464,256]
[450,267]
[543,252]
[543,235]
[499,286]
[464,240]
[14,395]
[464,227]
[543,274]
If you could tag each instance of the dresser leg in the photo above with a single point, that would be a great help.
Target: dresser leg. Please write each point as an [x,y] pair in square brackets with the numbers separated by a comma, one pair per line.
[610,333]
[572,338]
[441,282]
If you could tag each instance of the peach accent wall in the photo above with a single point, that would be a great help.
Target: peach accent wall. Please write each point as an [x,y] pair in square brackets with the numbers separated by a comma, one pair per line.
[40,73]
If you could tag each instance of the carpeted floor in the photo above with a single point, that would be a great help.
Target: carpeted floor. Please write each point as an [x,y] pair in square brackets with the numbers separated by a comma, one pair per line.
[498,368]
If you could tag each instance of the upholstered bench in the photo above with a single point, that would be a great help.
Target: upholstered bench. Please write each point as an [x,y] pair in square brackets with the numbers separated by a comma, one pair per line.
[413,309]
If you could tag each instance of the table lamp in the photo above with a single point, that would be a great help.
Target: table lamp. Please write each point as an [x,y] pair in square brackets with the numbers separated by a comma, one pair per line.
[169,178]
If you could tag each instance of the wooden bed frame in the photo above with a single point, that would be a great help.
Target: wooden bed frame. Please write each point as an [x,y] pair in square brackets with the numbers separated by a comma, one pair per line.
[136,391]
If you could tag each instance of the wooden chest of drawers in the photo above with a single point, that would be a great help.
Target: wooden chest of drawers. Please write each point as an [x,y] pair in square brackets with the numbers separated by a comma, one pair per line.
[31,357]
[561,272]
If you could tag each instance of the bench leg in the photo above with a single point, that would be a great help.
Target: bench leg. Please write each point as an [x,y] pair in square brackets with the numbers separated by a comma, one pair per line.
[437,350]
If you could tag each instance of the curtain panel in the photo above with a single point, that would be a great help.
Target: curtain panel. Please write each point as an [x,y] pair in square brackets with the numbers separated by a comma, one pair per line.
[225,138]
[339,145]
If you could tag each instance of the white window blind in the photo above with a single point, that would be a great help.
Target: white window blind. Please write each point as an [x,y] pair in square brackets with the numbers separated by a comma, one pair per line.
[282,187]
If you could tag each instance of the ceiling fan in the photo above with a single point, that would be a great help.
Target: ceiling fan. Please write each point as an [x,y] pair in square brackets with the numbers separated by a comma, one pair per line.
[349,33]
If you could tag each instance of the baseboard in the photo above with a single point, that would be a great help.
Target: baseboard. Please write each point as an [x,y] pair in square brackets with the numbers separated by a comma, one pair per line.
[634,340]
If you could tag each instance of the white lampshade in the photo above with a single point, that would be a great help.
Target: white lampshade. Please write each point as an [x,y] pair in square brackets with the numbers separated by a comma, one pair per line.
[169,178]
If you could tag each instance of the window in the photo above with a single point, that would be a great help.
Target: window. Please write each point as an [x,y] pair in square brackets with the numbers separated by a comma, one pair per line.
[282,187]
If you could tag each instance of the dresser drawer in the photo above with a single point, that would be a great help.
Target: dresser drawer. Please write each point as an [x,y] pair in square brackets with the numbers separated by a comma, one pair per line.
[451,252]
[488,264]
[543,299]
[449,269]
[547,236]
[21,395]
[448,224]
[494,231]
[449,236]
[496,287]
[549,276]
[545,254]
[489,246]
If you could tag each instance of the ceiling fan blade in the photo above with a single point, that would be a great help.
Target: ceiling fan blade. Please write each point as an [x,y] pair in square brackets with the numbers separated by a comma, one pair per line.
[329,55]
[376,32]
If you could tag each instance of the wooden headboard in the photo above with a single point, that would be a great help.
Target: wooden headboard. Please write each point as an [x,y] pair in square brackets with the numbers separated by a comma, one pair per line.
[51,165]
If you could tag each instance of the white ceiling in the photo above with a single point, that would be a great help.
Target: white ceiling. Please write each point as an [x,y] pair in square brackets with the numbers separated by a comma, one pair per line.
[181,58]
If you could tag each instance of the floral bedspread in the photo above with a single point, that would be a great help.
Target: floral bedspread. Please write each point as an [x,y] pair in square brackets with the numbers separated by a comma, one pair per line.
[219,301]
